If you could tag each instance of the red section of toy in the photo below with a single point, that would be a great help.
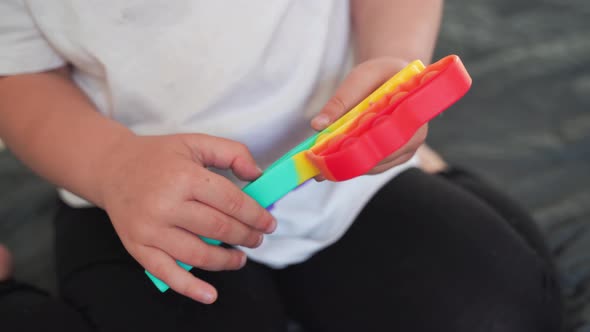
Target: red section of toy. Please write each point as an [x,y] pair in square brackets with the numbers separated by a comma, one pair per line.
[392,121]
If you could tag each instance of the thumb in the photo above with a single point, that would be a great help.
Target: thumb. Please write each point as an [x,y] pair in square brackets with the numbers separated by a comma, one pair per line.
[359,83]
[221,153]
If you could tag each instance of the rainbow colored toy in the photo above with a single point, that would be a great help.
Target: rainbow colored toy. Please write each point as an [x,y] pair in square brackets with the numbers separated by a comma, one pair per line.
[354,144]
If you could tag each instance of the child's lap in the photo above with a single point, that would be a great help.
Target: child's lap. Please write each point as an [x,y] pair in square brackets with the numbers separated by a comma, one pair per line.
[427,254]
[424,252]
[99,277]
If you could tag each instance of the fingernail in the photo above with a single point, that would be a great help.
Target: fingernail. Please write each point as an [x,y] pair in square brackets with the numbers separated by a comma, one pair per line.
[208,297]
[273,225]
[260,239]
[244,260]
[321,121]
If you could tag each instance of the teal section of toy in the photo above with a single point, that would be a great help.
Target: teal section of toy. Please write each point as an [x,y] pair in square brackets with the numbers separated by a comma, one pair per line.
[211,241]
[274,184]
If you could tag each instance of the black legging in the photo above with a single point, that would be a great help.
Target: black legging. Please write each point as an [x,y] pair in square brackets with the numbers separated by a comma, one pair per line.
[428,253]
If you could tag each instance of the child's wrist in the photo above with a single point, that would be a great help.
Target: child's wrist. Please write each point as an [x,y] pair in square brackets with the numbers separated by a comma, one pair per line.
[108,163]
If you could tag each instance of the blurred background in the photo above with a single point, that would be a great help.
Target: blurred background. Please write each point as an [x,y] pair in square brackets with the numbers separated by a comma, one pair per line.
[524,126]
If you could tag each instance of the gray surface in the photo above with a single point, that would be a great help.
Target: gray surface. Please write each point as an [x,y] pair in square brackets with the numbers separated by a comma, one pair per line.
[525,126]
[26,206]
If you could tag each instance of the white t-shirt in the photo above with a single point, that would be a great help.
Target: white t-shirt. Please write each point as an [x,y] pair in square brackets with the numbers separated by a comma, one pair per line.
[252,71]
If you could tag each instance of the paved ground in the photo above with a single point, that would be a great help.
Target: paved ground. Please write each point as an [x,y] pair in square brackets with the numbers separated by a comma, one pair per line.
[525,125]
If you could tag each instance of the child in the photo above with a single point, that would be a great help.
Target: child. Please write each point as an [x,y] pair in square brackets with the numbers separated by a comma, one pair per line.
[150,116]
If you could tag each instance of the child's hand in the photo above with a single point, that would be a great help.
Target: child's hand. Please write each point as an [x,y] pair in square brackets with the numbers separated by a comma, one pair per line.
[362,80]
[160,195]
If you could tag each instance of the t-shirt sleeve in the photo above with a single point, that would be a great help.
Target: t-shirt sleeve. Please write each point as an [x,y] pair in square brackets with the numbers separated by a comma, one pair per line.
[23,48]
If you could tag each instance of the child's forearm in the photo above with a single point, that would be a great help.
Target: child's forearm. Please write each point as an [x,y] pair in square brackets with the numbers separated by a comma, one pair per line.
[405,29]
[48,122]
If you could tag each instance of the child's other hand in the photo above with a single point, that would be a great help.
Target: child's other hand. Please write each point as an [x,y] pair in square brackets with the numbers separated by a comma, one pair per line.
[360,82]
[160,195]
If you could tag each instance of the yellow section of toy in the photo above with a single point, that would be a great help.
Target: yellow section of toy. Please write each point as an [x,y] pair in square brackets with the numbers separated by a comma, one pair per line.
[412,69]
[304,167]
